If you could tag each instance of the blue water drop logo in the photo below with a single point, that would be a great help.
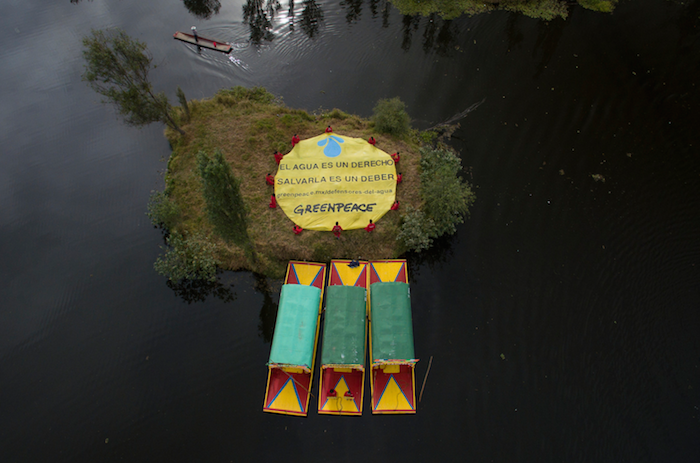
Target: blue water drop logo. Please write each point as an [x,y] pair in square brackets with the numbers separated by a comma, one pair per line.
[332,148]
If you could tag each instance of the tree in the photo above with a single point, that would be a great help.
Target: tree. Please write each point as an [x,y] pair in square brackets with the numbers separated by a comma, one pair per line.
[117,67]
[222,194]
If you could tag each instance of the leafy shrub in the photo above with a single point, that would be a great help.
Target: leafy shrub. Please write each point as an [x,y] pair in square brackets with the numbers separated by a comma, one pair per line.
[447,197]
[428,136]
[190,258]
[416,230]
[446,200]
[162,210]
[390,117]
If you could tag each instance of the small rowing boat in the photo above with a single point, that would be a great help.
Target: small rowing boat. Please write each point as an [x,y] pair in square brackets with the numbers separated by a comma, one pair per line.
[341,389]
[291,364]
[391,338]
[200,41]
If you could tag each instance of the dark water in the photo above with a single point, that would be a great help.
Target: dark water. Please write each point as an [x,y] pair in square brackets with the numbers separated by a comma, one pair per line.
[589,289]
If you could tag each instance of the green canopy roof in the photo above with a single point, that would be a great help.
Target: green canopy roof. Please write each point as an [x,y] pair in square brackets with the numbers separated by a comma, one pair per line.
[344,326]
[392,326]
[295,328]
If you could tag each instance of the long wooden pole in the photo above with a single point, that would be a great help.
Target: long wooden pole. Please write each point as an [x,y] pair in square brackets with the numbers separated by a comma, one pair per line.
[425,378]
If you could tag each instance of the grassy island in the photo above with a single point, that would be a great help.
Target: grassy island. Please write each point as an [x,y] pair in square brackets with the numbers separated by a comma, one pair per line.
[246,126]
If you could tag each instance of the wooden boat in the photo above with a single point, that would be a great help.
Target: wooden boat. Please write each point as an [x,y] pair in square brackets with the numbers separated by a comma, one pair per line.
[391,338]
[341,389]
[224,47]
[291,364]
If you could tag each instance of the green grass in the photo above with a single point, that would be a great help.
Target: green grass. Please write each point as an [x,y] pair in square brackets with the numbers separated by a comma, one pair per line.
[248,126]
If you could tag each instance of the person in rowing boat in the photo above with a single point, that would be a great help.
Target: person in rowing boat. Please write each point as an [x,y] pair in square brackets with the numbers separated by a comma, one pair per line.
[194,32]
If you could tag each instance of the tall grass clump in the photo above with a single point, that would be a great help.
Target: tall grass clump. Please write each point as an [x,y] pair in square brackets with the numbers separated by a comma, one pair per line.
[390,117]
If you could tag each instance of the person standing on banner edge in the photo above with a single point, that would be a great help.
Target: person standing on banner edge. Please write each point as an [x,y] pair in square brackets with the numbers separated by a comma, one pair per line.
[295,140]
[372,141]
[336,230]
[395,206]
[273,201]
[297,229]
[396,157]
[370,226]
[329,129]
[399,178]
[270,179]
[278,157]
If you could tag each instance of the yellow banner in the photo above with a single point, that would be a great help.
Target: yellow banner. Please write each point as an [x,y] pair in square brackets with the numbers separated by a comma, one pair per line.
[332,178]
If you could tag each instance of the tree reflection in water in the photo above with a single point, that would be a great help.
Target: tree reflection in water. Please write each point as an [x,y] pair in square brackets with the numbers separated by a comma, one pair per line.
[268,311]
[311,16]
[438,36]
[198,290]
[258,15]
[410,25]
[548,35]
[354,10]
[203,9]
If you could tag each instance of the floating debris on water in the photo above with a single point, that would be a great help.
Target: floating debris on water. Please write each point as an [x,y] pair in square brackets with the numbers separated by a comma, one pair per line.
[598,178]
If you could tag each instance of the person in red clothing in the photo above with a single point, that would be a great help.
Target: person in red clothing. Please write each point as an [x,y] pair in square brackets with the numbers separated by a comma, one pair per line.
[370,226]
[270,179]
[336,230]
[372,141]
[278,156]
[399,178]
[273,201]
[297,229]
[396,157]
[329,129]
[395,206]
[295,140]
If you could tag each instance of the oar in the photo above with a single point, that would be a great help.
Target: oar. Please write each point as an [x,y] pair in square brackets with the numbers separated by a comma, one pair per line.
[425,379]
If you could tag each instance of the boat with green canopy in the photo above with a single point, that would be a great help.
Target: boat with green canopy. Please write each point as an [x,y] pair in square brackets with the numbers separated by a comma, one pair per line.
[392,354]
[291,363]
[341,389]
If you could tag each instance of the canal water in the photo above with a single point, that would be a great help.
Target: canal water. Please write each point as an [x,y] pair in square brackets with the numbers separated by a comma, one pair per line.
[563,317]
